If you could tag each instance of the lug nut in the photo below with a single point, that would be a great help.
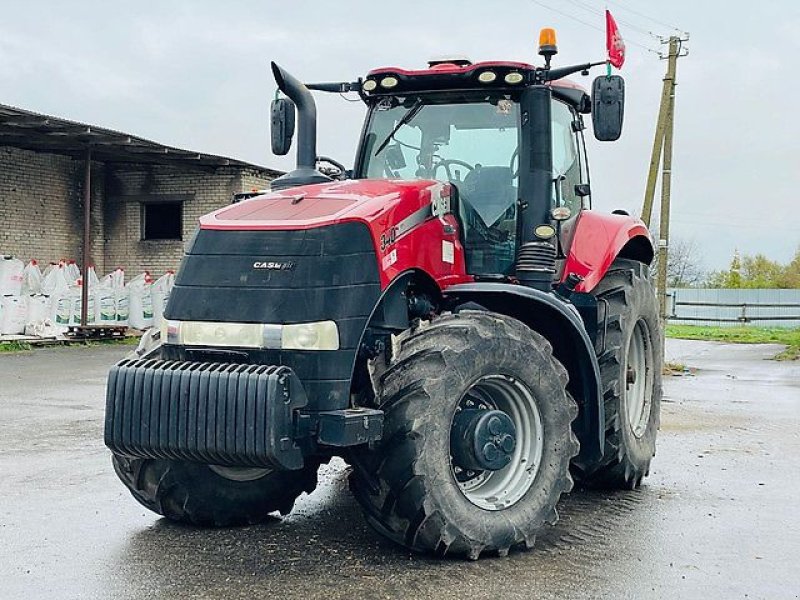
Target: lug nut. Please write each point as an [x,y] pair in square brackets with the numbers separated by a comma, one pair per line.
[490,452]
[507,444]
[494,425]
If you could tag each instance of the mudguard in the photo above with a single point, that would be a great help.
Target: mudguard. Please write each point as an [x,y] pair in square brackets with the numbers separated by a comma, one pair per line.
[599,239]
[561,324]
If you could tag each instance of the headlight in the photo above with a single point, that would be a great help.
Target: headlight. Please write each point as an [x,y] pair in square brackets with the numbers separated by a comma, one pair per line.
[310,336]
[247,335]
[323,335]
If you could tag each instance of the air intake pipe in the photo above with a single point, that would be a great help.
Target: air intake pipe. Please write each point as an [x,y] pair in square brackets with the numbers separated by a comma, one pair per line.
[305,173]
[536,259]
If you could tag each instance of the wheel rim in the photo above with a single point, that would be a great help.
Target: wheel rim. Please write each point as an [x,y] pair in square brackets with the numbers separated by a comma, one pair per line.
[639,379]
[240,473]
[498,490]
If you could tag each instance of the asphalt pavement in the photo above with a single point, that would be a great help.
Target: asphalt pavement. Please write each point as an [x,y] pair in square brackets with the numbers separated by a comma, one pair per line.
[717,518]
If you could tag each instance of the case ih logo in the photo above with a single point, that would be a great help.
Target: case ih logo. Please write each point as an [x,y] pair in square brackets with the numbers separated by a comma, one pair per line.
[274,266]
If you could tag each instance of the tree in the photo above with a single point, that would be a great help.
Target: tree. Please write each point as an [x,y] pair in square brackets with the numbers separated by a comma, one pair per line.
[684,265]
[758,272]
[791,273]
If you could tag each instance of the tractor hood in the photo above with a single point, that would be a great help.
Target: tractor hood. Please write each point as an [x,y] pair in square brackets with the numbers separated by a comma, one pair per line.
[376,202]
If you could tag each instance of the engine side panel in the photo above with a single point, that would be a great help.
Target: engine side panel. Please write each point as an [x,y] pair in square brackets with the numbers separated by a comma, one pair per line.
[405,233]
[598,240]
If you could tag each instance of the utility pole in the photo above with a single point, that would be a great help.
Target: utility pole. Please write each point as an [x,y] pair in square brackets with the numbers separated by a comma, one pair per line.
[662,148]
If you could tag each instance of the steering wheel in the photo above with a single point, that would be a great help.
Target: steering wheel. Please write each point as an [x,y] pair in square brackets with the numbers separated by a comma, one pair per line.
[514,157]
[446,162]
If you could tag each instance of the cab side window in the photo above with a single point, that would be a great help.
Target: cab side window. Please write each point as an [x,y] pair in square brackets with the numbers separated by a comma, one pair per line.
[566,164]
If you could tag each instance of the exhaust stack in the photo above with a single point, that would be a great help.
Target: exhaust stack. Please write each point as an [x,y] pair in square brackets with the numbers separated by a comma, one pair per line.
[305,173]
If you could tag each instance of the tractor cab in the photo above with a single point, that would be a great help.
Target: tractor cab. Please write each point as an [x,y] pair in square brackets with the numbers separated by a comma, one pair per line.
[462,124]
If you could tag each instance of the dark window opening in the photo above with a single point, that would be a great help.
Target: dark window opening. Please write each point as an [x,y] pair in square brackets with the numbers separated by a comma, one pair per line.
[162,221]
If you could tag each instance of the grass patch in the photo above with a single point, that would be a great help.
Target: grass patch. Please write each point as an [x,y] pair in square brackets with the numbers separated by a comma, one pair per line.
[126,341]
[742,335]
[14,347]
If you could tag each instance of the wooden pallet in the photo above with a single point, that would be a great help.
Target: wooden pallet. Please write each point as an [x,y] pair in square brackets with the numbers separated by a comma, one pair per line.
[95,332]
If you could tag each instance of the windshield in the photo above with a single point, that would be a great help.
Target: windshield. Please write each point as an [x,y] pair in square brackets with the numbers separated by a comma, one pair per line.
[471,144]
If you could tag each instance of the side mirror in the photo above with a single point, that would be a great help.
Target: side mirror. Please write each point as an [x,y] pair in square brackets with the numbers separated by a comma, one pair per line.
[282,128]
[608,104]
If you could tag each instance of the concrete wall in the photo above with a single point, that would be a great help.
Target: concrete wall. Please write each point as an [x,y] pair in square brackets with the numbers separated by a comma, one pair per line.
[41,207]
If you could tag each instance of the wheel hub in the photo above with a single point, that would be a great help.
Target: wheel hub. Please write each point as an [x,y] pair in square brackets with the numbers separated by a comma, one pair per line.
[496,442]
[482,440]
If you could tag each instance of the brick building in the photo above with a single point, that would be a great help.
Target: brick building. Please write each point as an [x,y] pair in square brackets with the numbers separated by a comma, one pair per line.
[144,202]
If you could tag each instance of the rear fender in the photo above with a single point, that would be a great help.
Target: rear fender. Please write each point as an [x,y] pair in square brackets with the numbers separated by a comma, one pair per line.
[562,326]
[599,239]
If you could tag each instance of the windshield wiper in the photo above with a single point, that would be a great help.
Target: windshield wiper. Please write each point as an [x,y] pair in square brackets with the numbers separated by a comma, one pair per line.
[403,121]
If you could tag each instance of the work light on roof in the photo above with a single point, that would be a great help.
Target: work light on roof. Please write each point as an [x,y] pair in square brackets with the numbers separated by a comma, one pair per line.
[487,76]
[389,82]
[513,78]
[369,85]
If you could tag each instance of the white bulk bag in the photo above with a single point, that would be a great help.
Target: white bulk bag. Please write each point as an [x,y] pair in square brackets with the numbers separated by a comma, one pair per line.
[14,309]
[160,291]
[56,288]
[38,310]
[140,302]
[73,272]
[10,276]
[117,277]
[105,307]
[31,279]
[76,291]
[103,301]
[54,281]
[122,306]
[61,308]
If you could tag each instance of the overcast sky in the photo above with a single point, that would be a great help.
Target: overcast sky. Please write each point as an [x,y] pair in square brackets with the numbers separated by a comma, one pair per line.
[195,75]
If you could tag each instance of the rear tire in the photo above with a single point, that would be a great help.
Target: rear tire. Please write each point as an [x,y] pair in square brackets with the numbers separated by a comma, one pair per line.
[199,494]
[630,362]
[408,485]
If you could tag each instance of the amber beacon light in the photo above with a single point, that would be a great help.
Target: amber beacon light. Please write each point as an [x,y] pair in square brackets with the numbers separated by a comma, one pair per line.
[547,44]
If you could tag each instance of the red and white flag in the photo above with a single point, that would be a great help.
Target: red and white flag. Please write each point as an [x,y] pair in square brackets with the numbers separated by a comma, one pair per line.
[614,43]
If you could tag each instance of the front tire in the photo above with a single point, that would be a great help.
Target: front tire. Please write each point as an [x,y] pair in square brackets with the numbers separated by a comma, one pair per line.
[630,359]
[410,486]
[210,496]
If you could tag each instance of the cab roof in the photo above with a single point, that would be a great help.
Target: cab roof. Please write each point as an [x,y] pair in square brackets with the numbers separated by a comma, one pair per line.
[460,75]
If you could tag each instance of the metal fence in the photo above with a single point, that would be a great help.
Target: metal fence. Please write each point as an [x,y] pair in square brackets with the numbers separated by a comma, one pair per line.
[732,307]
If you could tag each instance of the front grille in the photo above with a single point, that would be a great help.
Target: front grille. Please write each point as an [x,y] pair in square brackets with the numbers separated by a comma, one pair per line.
[215,413]
[334,276]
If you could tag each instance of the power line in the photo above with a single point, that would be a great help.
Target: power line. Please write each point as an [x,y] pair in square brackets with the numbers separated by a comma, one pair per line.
[644,16]
[582,22]
[597,11]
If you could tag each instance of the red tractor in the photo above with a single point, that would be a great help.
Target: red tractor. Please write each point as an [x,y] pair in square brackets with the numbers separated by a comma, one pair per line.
[449,317]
